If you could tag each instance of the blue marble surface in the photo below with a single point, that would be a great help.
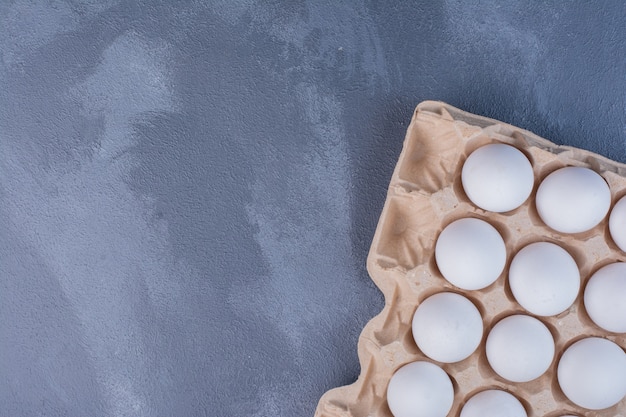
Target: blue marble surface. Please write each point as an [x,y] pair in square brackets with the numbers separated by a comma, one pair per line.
[189,189]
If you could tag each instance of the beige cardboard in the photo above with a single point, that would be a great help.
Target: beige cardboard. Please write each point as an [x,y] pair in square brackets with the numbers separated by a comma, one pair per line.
[425,195]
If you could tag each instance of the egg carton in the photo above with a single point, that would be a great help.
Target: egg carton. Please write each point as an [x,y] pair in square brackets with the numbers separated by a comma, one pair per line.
[425,194]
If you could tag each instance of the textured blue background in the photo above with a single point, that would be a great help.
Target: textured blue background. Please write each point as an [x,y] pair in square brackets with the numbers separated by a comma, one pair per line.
[188,190]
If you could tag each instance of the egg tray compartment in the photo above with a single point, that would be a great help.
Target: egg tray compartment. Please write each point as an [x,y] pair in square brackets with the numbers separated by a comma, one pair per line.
[425,195]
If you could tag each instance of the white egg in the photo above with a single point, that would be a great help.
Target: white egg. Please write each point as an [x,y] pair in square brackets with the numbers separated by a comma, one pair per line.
[573,199]
[520,348]
[617,223]
[420,389]
[544,278]
[493,403]
[592,373]
[470,253]
[447,327]
[497,177]
[605,297]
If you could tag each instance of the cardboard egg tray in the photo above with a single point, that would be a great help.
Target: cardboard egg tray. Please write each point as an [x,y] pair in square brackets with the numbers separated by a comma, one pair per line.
[424,196]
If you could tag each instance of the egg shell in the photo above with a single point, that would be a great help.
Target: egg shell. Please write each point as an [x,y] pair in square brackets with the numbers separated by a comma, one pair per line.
[592,373]
[573,199]
[493,403]
[470,253]
[447,327]
[420,389]
[617,223]
[544,278]
[520,348]
[605,297]
[497,177]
